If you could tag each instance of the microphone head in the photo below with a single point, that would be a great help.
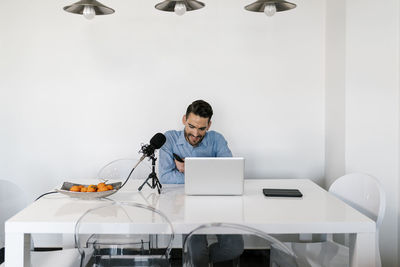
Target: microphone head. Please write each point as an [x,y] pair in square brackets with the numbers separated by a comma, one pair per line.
[158,140]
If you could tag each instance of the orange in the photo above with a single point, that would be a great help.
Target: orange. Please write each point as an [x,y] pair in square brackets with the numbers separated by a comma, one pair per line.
[92,186]
[75,188]
[102,188]
[110,187]
[101,184]
[83,189]
[91,189]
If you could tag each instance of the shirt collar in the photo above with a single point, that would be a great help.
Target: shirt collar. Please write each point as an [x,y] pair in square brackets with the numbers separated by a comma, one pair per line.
[182,140]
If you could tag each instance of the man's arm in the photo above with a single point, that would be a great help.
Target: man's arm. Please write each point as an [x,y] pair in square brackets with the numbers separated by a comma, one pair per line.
[167,168]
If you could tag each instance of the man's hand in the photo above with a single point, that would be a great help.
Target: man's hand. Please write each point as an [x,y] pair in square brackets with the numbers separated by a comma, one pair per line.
[180,166]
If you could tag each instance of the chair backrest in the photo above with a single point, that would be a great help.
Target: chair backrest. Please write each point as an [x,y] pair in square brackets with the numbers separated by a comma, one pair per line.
[364,193]
[121,240]
[218,242]
[119,169]
[12,200]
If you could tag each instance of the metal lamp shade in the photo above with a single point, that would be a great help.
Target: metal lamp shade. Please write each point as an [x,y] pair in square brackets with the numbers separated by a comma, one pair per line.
[280,5]
[169,5]
[99,8]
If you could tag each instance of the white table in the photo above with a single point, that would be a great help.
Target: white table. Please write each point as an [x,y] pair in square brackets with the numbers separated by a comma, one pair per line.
[317,212]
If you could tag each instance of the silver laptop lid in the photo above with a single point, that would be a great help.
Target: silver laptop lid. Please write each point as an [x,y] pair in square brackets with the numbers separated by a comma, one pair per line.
[214,176]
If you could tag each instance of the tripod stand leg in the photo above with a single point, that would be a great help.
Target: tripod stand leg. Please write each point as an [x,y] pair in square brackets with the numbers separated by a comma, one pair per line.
[145,182]
[157,183]
[153,176]
[158,187]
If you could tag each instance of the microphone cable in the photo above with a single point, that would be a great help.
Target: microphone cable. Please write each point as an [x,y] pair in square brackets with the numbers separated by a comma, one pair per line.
[129,176]
[48,193]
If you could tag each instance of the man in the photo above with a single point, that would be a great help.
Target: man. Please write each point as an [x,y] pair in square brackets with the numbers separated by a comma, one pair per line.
[196,141]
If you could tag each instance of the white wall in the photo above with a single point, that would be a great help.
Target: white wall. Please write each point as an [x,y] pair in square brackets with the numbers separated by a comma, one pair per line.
[75,94]
[362,102]
[335,89]
[372,105]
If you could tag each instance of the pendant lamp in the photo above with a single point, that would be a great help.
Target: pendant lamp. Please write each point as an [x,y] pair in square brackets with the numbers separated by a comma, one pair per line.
[270,7]
[179,7]
[89,8]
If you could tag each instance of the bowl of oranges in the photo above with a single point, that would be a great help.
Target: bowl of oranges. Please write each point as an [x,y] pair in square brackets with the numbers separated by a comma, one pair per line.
[90,191]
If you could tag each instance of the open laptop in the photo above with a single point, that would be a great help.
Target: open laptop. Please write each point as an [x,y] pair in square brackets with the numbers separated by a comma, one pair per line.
[214,176]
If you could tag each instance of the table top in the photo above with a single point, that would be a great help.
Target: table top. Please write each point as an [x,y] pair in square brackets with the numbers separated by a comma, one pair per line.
[316,212]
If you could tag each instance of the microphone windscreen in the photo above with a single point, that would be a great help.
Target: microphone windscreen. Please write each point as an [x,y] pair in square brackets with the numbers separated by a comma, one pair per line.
[158,140]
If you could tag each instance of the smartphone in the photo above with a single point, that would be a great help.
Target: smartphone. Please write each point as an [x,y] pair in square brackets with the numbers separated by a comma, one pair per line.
[177,157]
[273,192]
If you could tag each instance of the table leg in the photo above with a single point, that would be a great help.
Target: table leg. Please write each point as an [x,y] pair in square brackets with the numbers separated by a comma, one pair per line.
[362,250]
[17,250]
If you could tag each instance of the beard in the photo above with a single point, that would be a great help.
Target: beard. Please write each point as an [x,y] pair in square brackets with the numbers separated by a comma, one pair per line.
[193,140]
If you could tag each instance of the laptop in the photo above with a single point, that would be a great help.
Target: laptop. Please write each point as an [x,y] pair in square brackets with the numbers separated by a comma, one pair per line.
[214,176]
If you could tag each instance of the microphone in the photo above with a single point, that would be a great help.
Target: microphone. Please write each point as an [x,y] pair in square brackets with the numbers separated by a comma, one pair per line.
[156,142]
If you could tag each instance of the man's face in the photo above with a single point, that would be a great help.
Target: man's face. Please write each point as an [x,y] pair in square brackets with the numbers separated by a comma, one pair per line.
[195,128]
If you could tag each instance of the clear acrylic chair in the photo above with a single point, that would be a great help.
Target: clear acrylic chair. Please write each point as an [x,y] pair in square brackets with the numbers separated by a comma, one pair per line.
[364,193]
[120,240]
[223,243]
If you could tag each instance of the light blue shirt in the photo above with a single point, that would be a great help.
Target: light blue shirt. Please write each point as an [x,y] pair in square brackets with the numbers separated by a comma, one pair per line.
[212,145]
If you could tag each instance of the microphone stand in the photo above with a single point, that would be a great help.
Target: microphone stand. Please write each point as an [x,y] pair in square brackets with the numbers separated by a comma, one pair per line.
[155,183]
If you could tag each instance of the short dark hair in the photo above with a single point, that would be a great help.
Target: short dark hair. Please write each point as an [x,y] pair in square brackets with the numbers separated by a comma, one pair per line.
[200,108]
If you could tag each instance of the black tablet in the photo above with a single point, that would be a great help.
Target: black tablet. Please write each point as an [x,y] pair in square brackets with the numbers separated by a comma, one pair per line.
[274,192]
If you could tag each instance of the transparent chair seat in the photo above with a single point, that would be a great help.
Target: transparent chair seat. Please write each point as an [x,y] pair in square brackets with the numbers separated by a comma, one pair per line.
[126,247]
[126,260]
[117,246]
